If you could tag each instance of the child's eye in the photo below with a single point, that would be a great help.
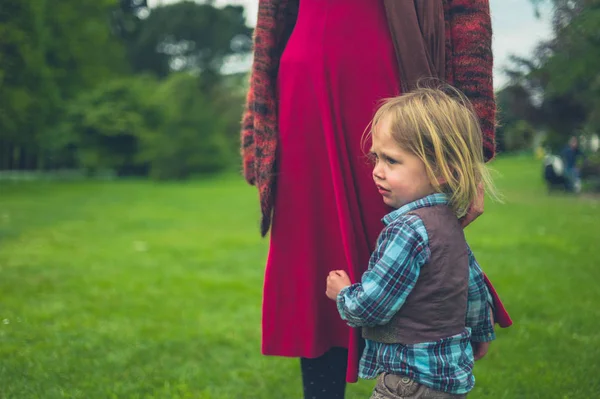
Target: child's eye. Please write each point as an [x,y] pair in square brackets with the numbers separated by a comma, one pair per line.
[391,161]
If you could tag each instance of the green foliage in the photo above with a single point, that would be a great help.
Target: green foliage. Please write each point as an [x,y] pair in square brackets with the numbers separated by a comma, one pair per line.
[103,126]
[49,53]
[191,138]
[27,93]
[558,90]
[186,36]
[80,48]
[519,136]
[68,97]
[170,129]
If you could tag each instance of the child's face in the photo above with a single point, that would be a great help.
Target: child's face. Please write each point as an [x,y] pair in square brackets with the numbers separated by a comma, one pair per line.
[400,176]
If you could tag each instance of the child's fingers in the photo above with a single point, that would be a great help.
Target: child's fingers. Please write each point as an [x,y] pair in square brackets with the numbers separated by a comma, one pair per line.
[480,350]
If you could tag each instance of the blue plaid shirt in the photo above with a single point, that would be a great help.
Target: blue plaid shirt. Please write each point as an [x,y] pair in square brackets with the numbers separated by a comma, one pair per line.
[402,248]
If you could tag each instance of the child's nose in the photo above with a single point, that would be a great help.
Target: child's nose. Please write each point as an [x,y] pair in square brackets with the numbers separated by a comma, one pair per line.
[378,172]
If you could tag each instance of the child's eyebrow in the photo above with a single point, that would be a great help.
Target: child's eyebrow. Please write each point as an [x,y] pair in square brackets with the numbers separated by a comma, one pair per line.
[385,154]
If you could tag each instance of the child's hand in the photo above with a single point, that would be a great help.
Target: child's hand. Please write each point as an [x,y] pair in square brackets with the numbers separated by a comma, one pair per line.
[480,349]
[336,280]
[475,209]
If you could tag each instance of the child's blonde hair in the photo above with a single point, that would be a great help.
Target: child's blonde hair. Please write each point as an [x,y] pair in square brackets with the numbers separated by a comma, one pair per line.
[441,128]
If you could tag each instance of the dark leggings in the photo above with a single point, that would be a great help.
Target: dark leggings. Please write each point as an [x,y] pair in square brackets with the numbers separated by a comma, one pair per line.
[325,377]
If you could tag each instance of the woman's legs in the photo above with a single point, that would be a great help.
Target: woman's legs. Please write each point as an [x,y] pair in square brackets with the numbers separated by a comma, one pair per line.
[325,377]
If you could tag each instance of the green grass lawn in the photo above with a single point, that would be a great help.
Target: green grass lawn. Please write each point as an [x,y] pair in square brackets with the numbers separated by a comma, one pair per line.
[134,289]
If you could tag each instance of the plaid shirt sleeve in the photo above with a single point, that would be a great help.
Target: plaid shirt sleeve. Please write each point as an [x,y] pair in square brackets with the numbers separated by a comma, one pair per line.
[393,271]
[478,308]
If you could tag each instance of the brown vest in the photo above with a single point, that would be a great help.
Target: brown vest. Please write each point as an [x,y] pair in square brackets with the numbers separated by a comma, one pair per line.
[436,307]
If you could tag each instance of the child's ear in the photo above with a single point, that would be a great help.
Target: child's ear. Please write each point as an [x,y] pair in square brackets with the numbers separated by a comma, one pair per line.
[436,178]
[441,180]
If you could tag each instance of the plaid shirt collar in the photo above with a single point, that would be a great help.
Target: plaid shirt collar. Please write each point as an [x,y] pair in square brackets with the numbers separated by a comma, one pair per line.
[430,200]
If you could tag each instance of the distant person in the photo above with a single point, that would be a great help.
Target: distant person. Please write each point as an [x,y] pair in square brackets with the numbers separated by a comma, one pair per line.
[570,156]
[423,302]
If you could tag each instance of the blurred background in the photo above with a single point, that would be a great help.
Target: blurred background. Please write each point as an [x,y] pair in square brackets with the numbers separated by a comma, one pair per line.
[155,88]
[131,264]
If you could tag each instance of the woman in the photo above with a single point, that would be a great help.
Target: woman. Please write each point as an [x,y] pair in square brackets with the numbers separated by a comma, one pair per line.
[320,68]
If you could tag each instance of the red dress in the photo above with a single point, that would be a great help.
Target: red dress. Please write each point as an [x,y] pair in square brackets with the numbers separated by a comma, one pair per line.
[338,64]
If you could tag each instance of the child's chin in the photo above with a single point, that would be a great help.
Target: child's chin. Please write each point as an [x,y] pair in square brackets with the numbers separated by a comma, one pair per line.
[390,202]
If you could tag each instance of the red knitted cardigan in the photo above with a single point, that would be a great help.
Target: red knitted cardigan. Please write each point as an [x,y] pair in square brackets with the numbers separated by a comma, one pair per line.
[469,63]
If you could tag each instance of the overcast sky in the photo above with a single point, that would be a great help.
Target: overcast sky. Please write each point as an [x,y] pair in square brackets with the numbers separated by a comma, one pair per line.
[516,29]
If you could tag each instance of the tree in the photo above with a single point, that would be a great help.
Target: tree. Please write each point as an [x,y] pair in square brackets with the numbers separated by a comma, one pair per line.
[187,36]
[81,49]
[192,138]
[49,52]
[102,127]
[27,90]
[72,90]
[559,88]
